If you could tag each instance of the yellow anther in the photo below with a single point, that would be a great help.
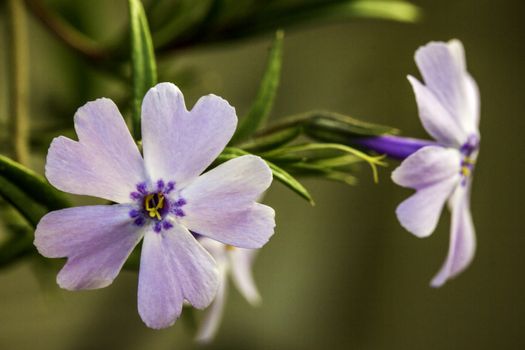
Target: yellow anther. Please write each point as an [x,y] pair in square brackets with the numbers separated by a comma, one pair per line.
[230,247]
[465,171]
[468,160]
[153,203]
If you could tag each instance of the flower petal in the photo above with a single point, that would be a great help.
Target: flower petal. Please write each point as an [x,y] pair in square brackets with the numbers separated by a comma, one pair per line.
[213,315]
[462,239]
[436,120]
[241,268]
[173,267]
[221,203]
[179,145]
[97,240]
[427,166]
[104,163]
[419,214]
[444,71]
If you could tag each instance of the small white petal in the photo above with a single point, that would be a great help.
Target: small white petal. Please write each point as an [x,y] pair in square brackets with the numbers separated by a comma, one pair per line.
[214,313]
[242,275]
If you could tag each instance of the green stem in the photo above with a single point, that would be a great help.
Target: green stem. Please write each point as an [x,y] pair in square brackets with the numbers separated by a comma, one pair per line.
[19,80]
[67,33]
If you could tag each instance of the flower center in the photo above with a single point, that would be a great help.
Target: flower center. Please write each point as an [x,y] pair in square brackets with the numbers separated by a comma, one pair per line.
[469,150]
[153,204]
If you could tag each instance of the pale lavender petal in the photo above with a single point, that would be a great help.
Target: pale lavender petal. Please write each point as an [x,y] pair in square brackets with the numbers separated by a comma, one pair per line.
[428,166]
[97,240]
[471,119]
[445,74]
[213,315]
[241,268]
[221,203]
[104,163]
[179,145]
[436,120]
[462,239]
[419,214]
[173,267]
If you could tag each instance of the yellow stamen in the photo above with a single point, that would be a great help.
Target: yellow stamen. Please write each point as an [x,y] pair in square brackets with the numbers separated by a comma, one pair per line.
[230,247]
[153,203]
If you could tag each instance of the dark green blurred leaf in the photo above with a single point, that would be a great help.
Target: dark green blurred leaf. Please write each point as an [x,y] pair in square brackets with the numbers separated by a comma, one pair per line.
[262,106]
[31,184]
[144,68]
[280,174]
[181,18]
[17,246]
[267,16]
[31,211]
[341,126]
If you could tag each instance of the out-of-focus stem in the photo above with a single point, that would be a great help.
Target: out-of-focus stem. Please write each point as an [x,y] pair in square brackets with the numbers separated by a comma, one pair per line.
[65,32]
[19,80]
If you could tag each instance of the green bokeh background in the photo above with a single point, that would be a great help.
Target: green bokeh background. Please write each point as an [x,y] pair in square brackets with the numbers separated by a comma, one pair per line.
[342,274]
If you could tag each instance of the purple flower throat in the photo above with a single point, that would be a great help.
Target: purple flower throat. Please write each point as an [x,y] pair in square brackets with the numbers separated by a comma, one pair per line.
[155,205]
[469,152]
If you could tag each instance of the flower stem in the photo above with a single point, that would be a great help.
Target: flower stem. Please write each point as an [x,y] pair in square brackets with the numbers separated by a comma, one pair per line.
[67,33]
[19,80]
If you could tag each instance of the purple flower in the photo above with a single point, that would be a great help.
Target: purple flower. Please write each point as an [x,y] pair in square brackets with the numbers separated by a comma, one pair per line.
[160,198]
[449,110]
[234,262]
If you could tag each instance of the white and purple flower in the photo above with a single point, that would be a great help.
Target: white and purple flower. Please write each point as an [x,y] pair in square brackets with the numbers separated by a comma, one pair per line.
[448,106]
[160,196]
[234,262]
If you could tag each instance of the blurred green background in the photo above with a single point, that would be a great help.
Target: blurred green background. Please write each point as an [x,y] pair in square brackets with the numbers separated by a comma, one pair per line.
[342,274]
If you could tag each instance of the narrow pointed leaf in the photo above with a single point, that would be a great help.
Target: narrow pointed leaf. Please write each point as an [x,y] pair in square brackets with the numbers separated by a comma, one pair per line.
[144,68]
[289,181]
[262,106]
[271,141]
[32,185]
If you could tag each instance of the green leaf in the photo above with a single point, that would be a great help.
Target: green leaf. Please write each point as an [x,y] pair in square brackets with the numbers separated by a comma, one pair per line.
[32,185]
[324,147]
[144,68]
[289,181]
[262,106]
[280,174]
[31,211]
[341,127]
[394,10]
[271,141]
